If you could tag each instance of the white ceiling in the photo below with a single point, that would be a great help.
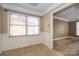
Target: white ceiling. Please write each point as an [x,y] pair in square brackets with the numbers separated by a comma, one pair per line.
[38,8]
[35,9]
[71,13]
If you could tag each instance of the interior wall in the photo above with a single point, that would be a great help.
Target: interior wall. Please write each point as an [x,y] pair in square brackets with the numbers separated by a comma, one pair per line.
[44,37]
[9,43]
[46,23]
[4,25]
[0,30]
[47,29]
[0,20]
[60,28]
[72,28]
[41,24]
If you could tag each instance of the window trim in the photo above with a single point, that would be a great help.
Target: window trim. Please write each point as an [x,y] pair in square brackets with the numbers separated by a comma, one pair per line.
[10,24]
[34,25]
[76,29]
[26,25]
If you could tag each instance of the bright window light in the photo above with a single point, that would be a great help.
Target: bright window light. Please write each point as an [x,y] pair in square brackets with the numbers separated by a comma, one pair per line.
[77,28]
[23,25]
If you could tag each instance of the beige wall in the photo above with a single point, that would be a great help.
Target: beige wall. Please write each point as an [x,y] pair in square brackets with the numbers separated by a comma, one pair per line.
[4,22]
[45,23]
[60,28]
[0,19]
[41,24]
[72,28]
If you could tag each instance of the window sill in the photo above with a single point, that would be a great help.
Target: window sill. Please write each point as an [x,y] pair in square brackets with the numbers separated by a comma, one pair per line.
[24,35]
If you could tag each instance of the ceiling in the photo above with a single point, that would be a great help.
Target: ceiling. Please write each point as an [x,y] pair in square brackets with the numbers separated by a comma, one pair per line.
[71,13]
[38,9]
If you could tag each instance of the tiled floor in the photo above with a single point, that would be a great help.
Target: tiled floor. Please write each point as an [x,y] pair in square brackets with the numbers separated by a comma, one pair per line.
[68,47]
[37,50]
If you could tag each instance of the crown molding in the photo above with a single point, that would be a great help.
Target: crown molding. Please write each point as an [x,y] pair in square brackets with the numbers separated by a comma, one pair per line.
[19,9]
[62,7]
[60,18]
[53,8]
[64,19]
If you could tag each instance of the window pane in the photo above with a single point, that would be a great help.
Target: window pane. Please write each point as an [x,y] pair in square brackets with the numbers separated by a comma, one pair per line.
[32,30]
[77,33]
[17,19]
[77,24]
[17,30]
[31,20]
[77,28]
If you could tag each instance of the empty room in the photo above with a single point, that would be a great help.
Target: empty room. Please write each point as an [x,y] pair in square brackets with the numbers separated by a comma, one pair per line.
[66,30]
[39,29]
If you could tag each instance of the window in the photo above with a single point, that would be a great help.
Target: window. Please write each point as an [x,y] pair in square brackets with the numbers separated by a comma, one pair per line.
[23,25]
[17,25]
[77,28]
[32,25]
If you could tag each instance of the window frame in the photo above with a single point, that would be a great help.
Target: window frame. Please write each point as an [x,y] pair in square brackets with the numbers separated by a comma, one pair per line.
[25,25]
[76,29]
[10,24]
[34,25]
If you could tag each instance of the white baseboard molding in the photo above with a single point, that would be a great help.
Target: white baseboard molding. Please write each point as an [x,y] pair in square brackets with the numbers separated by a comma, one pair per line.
[61,38]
